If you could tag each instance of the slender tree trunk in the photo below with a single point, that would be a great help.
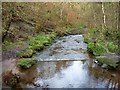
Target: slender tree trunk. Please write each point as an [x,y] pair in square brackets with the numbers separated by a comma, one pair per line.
[104,16]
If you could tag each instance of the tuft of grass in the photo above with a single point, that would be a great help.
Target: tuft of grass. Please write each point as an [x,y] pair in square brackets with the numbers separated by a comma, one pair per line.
[26,63]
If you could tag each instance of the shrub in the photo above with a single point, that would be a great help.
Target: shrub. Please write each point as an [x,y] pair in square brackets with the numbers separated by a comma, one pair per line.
[26,53]
[25,63]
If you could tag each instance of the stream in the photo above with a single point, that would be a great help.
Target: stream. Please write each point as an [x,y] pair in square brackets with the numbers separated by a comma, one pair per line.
[66,64]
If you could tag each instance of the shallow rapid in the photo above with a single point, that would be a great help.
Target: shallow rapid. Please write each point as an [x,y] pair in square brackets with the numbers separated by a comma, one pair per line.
[69,47]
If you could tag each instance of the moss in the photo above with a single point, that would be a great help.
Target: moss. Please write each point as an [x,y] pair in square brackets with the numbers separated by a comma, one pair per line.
[26,53]
[26,63]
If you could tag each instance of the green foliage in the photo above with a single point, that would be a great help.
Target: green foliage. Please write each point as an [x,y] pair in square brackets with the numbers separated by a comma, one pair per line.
[99,50]
[112,47]
[26,53]
[97,43]
[96,49]
[90,47]
[38,43]
[25,63]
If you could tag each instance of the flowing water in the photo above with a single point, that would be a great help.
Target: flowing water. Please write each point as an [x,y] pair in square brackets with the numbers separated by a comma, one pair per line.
[66,64]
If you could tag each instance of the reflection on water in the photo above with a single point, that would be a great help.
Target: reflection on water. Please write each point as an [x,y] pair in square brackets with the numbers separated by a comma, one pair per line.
[74,74]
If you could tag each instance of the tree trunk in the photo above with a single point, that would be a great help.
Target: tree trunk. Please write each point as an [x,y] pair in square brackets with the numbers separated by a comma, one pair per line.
[104,17]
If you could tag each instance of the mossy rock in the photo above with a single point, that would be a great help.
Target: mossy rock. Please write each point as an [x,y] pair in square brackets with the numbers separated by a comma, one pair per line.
[26,63]
[108,62]
[26,53]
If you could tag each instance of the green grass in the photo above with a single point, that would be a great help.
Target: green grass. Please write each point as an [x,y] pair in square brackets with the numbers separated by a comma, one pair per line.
[95,48]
